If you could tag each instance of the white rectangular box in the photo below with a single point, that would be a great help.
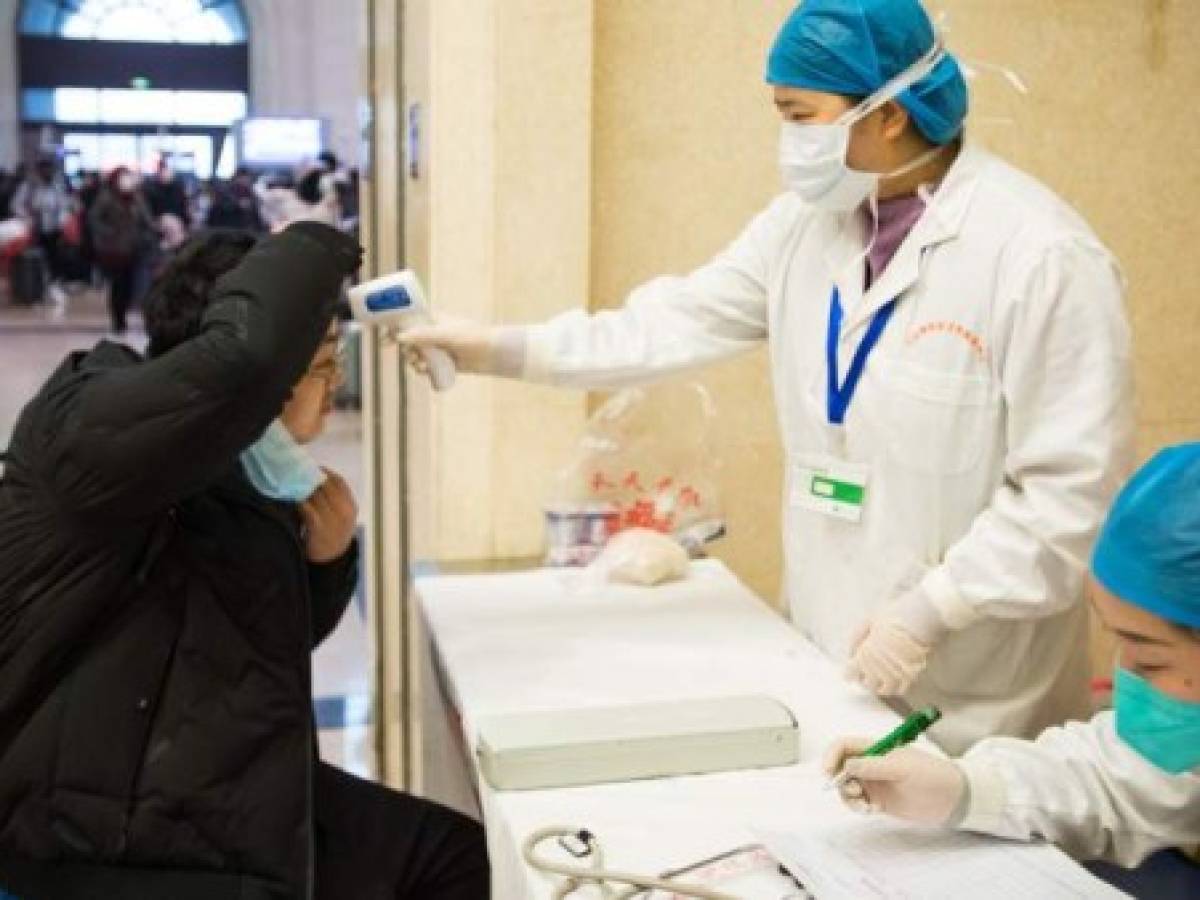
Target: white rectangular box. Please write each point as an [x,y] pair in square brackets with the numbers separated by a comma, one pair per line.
[525,751]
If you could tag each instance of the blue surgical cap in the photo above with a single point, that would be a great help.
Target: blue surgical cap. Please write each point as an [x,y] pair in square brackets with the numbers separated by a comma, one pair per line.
[855,47]
[1149,549]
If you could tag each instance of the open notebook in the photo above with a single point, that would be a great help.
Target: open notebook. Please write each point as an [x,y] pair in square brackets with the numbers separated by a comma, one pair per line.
[891,861]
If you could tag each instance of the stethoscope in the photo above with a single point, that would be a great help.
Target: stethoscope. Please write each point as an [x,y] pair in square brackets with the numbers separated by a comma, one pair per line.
[583,845]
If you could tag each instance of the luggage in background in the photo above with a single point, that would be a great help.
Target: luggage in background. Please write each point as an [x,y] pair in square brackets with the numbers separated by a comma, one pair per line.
[29,277]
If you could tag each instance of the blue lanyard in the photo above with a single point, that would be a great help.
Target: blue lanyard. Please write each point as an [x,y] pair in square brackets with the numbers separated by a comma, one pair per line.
[837,399]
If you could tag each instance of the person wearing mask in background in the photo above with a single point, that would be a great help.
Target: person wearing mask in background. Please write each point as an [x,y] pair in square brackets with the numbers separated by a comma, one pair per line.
[235,204]
[122,235]
[333,177]
[8,187]
[951,366]
[169,559]
[15,235]
[329,162]
[90,186]
[203,199]
[242,191]
[45,203]
[316,199]
[349,198]
[14,232]
[283,204]
[166,196]
[1127,782]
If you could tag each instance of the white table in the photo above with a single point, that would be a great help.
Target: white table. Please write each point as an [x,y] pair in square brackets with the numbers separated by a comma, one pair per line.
[525,641]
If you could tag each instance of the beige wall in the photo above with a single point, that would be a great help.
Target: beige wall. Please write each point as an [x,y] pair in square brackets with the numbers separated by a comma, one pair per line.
[1106,126]
[681,139]
[684,140]
[383,396]
[497,225]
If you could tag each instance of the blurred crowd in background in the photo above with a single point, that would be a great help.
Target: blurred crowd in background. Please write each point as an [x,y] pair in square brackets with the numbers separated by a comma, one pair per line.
[114,231]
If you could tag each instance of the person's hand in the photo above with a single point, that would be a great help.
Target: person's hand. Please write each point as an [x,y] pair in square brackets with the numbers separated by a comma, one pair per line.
[475,348]
[330,520]
[892,648]
[885,658]
[907,783]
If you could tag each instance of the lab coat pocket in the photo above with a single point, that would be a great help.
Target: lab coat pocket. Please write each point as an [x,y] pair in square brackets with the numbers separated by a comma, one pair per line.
[937,423]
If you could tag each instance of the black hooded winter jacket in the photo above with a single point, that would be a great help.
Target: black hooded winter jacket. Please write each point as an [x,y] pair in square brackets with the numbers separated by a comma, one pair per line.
[157,614]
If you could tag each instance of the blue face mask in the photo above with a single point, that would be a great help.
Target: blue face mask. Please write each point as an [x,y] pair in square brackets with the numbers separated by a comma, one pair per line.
[1163,729]
[280,468]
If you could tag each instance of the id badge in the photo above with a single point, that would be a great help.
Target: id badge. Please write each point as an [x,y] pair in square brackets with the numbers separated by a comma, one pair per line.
[830,486]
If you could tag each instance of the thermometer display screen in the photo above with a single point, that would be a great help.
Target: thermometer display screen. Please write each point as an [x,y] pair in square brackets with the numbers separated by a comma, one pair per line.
[388,300]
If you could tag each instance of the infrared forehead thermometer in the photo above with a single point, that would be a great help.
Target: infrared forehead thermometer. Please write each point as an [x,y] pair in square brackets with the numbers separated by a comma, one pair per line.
[398,301]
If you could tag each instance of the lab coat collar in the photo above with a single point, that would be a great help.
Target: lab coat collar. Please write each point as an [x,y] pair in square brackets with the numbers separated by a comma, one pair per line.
[942,221]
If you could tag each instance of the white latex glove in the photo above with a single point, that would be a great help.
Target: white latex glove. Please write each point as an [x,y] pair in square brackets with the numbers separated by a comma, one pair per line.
[890,650]
[907,783]
[886,659]
[477,349]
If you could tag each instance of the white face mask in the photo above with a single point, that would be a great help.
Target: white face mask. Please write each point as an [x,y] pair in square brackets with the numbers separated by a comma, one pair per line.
[280,468]
[813,157]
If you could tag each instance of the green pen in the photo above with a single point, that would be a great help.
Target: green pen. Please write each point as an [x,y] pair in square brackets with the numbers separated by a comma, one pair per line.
[905,733]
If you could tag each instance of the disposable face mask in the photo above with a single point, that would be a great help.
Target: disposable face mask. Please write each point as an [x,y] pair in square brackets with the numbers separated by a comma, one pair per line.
[812,157]
[1162,728]
[280,468]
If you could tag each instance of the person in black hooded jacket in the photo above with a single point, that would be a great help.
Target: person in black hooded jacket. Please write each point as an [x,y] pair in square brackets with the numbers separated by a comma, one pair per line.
[158,611]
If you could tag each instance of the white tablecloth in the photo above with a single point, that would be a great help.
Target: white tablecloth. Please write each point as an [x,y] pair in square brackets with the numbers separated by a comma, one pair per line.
[527,641]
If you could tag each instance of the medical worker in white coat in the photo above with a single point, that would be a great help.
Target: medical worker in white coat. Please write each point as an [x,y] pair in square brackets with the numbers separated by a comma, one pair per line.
[1126,783]
[950,358]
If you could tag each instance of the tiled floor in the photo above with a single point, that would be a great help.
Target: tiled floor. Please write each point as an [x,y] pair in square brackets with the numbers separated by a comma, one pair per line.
[32,343]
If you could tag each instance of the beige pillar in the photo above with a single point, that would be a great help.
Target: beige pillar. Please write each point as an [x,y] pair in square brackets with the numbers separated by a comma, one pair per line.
[685,135]
[483,155]
[387,557]
[498,227]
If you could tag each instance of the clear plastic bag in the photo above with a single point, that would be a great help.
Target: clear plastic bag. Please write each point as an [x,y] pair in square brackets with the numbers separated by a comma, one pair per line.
[645,461]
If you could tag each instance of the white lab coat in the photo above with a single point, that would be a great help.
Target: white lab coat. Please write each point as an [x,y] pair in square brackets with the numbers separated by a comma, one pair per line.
[1081,787]
[995,417]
